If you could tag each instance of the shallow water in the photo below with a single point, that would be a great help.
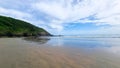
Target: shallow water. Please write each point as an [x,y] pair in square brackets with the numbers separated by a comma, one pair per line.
[60,52]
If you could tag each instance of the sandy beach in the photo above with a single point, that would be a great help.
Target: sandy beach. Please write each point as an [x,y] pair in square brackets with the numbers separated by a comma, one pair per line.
[19,53]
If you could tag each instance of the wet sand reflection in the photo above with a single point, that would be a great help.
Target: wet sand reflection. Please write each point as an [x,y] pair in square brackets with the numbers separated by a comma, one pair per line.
[23,54]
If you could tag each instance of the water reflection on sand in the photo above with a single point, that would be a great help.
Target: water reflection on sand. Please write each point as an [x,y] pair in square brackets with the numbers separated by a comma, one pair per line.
[39,40]
[57,52]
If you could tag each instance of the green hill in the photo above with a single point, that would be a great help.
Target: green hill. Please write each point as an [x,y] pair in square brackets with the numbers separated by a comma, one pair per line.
[14,27]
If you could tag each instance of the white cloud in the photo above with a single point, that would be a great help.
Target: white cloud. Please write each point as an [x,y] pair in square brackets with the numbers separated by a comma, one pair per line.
[14,13]
[64,10]
[57,25]
[111,20]
[109,30]
[106,11]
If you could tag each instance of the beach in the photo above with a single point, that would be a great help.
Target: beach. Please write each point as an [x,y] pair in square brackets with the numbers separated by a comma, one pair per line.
[59,52]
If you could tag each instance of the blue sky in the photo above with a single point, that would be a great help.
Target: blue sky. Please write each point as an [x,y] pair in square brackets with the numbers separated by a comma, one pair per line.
[67,17]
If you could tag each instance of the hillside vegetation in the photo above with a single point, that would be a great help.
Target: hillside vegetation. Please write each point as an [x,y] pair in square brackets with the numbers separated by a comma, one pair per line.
[14,27]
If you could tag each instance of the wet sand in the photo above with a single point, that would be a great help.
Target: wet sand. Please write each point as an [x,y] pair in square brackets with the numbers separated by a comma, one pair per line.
[18,53]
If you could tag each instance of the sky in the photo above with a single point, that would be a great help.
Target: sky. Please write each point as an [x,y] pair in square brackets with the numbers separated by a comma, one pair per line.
[67,17]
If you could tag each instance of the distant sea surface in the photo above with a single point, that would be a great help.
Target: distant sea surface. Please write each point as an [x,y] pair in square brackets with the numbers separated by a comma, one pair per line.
[80,51]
